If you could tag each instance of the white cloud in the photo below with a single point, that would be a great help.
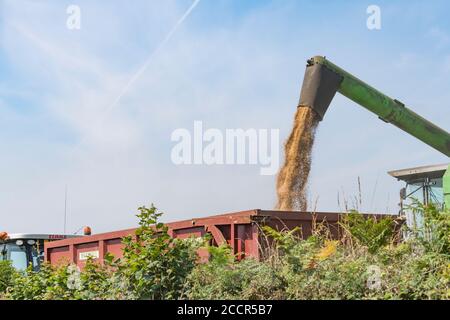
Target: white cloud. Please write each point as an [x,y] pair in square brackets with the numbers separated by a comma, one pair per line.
[440,36]
[447,63]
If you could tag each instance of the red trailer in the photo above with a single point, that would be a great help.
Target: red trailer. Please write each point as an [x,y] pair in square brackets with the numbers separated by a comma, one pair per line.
[241,230]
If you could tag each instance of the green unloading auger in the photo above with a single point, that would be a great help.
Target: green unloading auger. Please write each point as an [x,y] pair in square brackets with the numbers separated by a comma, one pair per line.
[323,79]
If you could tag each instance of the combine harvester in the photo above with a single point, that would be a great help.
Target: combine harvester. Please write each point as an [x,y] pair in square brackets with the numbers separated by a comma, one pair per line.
[242,230]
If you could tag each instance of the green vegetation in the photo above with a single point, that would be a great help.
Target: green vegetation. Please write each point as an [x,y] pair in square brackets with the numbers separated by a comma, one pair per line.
[367,263]
[6,276]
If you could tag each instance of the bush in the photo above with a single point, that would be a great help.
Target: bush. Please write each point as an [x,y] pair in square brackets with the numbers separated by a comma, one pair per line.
[434,235]
[369,232]
[7,273]
[225,278]
[155,265]
[365,264]
[49,283]
[336,278]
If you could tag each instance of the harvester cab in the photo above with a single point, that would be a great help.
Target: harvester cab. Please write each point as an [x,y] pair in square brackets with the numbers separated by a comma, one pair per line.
[428,185]
[24,250]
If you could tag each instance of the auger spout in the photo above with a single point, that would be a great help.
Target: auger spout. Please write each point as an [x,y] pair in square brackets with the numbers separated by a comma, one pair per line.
[323,79]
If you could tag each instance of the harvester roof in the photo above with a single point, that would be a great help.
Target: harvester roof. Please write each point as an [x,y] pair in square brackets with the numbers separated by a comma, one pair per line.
[420,173]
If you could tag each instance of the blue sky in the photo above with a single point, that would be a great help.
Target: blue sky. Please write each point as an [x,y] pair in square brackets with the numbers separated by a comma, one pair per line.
[231,64]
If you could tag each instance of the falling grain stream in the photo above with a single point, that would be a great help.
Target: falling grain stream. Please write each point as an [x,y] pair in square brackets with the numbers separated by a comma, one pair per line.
[293,176]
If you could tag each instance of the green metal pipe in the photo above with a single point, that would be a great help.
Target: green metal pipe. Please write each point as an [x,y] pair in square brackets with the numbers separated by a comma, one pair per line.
[446,187]
[388,109]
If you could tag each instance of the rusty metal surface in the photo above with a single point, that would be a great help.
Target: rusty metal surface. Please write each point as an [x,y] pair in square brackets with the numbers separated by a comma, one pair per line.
[241,230]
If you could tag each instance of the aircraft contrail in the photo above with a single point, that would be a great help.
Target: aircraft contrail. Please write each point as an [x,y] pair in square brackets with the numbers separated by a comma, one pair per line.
[149,59]
[147,62]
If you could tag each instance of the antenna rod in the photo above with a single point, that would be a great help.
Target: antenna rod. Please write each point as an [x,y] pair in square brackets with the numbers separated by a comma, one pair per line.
[65,208]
